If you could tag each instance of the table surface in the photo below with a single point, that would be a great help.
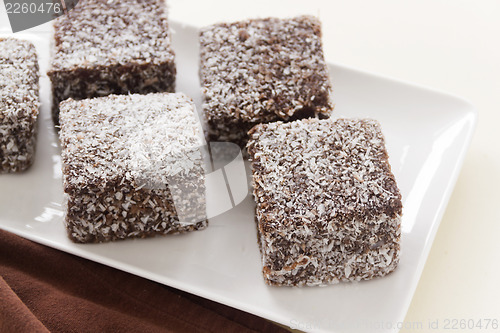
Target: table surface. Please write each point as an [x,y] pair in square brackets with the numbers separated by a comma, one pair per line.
[449,45]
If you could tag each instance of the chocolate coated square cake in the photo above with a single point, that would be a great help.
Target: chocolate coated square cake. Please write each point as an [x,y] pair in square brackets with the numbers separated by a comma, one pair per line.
[19,104]
[328,206]
[132,166]
[107,47]
[262,70]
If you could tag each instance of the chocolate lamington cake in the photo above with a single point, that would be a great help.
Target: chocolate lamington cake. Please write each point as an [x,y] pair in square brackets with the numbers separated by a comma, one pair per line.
[107,47]
[132,166]
[328,206]
[19,104]
[262,70]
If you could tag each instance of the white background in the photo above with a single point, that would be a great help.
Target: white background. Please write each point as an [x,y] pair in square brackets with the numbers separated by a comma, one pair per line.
[450,45]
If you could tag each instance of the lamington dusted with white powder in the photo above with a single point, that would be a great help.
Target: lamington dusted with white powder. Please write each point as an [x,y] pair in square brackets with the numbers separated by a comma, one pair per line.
[328,206]
[132,166]
[259,71]
[19,104]
[107,47]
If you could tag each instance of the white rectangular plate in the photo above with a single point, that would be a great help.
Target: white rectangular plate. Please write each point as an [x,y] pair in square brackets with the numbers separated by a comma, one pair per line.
[427,135]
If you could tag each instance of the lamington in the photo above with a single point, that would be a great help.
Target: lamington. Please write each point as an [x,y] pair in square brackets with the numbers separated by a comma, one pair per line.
[107,47]
[132,166]
[259,71]
[19,104]
[328,208]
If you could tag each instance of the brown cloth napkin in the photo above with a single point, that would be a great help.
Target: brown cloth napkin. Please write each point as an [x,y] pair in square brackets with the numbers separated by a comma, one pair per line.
[46,290]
